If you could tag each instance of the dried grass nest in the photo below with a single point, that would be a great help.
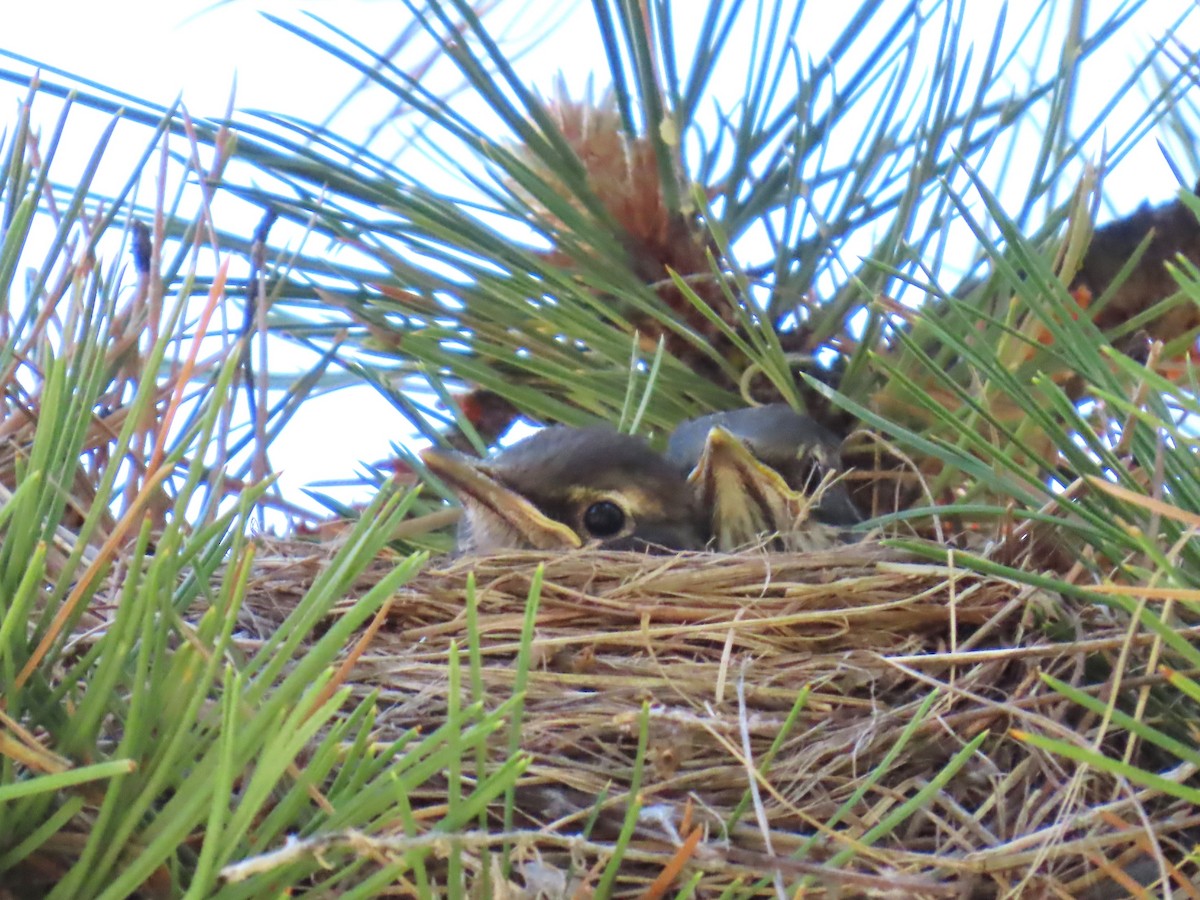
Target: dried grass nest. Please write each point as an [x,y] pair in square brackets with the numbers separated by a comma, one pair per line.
[720,646]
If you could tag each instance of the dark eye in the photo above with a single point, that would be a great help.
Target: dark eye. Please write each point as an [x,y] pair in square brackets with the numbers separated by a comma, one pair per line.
[604,519]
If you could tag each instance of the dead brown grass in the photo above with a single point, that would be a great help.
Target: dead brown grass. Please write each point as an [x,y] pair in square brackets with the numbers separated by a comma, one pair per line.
[718,647]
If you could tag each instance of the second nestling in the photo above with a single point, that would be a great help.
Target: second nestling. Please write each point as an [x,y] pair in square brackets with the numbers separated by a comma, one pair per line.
[726,481]
[766,470]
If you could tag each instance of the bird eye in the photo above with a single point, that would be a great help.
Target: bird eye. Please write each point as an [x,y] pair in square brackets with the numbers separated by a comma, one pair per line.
[604,519]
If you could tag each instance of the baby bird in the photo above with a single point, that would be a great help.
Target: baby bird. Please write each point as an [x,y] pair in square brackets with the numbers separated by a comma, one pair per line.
[765,471]
[562,488]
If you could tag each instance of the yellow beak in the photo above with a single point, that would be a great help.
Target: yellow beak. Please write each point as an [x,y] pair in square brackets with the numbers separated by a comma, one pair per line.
[749,499]
[497,517]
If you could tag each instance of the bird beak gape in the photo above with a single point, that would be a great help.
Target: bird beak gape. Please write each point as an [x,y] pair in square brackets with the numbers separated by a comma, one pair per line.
[483,496]
[747,497]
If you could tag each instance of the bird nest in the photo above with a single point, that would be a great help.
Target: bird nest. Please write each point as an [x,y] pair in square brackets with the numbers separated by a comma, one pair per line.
[853,720]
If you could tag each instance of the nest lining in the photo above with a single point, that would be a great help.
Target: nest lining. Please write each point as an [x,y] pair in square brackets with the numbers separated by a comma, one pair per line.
[719,646]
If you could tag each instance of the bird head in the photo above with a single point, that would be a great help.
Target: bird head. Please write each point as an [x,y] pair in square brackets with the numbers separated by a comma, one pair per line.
[765,471]
[745,497]
[562,488]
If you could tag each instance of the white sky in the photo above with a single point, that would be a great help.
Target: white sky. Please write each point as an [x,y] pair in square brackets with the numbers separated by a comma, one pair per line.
[159,49]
